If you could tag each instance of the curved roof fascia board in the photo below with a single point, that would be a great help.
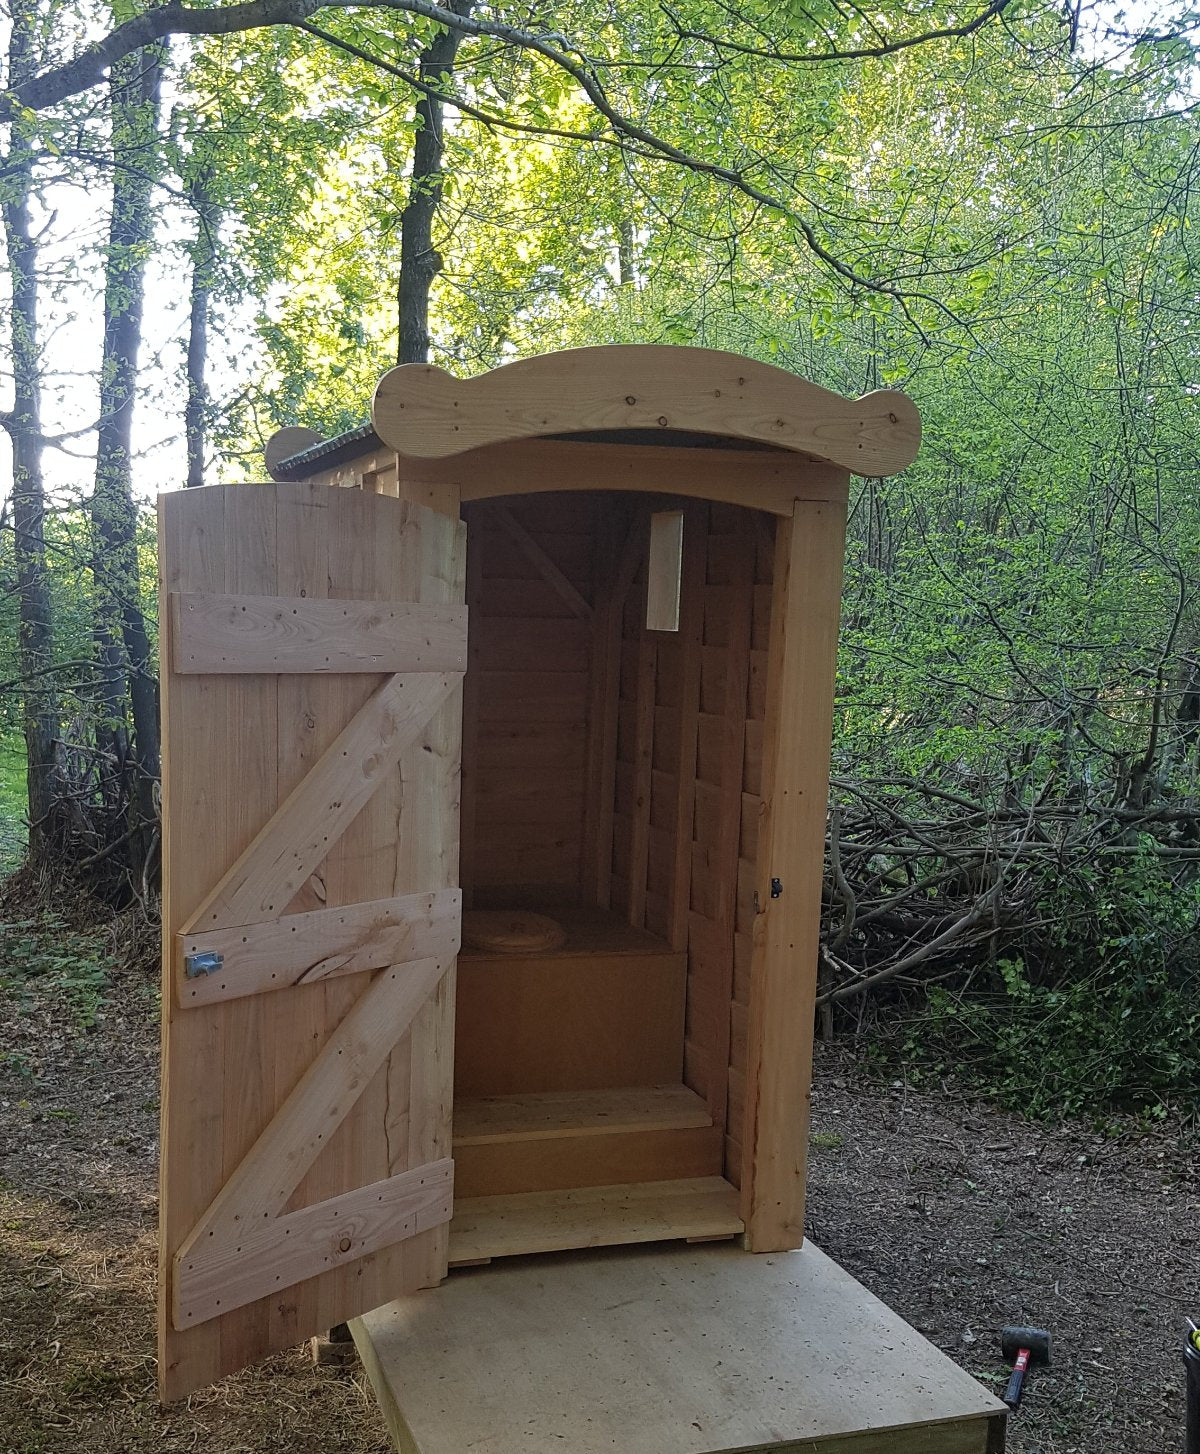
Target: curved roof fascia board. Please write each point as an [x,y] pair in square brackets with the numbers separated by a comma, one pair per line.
[425,413]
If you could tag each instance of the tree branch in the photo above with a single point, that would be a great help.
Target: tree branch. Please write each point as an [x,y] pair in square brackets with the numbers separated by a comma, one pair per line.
[869,52]
[88,68]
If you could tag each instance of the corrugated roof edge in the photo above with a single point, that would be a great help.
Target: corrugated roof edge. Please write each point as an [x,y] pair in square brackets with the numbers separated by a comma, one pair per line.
[364,439]
[329,452]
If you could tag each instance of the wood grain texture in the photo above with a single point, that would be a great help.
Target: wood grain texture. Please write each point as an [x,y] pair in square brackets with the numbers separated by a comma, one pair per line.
[422,411]
[563,1021]
[292,843]
[528,690]
[269,1173]
[235,747]
[216,1277]
[621,549]
[771,479]
[191,555]
[310,714]
[668,1350]
[557,579]
[559,1140]
[476,546]
[680,724]
[263,634]
[305,948]
[643,771]
[292,439]
[596,1216]
[418,1094]
[563,1162]
[573,1113]
[726,840]
[664,570]
[791,848]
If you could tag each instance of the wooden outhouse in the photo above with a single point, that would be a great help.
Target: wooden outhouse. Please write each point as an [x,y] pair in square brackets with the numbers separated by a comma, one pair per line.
[496,761]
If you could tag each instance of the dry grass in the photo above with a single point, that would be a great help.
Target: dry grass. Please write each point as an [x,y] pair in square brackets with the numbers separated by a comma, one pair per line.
[77,1364]
[78,1168]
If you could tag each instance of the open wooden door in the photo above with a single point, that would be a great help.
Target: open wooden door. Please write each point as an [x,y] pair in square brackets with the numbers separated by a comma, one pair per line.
[313,644]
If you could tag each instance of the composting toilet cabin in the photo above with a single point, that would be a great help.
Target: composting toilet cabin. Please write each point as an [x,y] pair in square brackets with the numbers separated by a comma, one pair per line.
[496,752]
[639,522]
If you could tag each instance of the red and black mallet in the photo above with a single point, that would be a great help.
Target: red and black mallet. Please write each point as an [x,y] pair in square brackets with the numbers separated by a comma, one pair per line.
[1026,1348]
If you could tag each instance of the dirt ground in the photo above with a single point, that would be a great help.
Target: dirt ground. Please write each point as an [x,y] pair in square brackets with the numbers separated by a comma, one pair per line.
[964,1218]
[959,1216]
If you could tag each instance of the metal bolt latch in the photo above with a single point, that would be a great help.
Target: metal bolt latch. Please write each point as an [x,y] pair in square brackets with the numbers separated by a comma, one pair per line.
[195,965]
[776,888]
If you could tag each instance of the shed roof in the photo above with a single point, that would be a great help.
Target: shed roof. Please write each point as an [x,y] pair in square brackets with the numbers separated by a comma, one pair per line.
[423,412]
[626,394]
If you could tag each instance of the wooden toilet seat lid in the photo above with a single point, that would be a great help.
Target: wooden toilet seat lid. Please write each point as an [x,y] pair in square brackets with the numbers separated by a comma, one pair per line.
[511,931]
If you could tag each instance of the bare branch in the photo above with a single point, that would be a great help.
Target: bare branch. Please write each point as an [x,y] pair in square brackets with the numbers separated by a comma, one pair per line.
[722,44]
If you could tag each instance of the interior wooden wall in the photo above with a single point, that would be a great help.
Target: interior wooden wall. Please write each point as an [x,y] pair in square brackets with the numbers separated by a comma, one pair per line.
[751,808]
[526,708]
[689,748]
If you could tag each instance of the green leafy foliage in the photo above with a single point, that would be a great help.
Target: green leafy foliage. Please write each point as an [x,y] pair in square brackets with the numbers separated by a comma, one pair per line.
[45,955]
[1113,1020]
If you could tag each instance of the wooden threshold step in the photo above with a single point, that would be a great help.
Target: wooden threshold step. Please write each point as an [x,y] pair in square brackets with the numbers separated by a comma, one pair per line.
[556,1140]
[596,1216]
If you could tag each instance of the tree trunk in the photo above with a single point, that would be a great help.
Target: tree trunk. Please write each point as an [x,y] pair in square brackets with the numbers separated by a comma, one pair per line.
[625,267]
[204,251]
[419,262]
[125,680]
[24,426]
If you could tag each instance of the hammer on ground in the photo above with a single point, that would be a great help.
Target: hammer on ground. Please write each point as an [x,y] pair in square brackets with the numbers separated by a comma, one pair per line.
[1025,1347]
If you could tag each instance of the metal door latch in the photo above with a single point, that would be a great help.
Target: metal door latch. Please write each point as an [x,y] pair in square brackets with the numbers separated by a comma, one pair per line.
[195,965]
[776,888]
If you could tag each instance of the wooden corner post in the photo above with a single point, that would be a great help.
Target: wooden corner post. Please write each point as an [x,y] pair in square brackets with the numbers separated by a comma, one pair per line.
[802,664]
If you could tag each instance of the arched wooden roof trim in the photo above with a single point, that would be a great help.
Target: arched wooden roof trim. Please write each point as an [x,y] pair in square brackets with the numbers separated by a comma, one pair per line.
[425,413]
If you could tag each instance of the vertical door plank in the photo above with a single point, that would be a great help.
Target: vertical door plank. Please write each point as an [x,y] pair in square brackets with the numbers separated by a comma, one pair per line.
[248,1087]
[358,866]
[434,556]
[304,729]
[192,550]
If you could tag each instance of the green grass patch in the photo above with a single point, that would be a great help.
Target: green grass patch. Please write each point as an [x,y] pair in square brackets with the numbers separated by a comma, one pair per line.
[825,1141]
[40,955]
[14,831]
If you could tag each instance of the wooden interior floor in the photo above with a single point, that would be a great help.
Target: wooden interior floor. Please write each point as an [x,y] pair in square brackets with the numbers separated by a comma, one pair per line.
[658,1350]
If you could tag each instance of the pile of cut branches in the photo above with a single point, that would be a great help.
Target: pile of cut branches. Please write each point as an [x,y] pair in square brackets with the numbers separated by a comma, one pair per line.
[924,882]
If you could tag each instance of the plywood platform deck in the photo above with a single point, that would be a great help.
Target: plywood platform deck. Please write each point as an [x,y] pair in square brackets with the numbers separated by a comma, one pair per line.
[654,1350]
